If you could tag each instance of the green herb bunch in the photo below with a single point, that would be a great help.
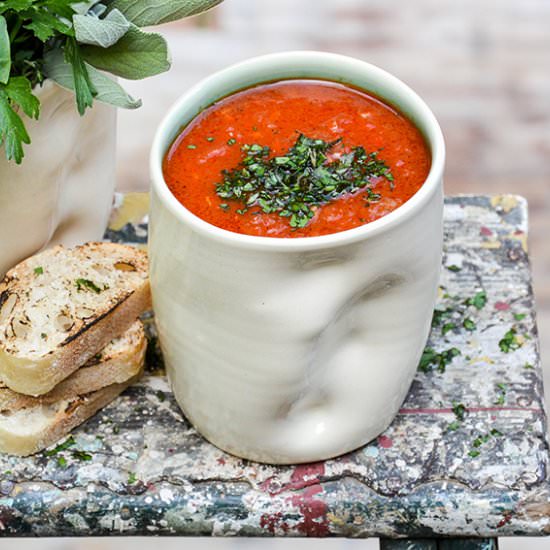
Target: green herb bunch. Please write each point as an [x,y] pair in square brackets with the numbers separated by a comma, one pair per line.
[292,185]
[74,44]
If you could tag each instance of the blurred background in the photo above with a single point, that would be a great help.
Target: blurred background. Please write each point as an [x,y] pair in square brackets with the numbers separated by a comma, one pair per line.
[484,69]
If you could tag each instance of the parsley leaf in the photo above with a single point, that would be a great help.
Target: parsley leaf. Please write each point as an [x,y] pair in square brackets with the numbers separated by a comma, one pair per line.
[83,86]
[44,24]
[12,130]
[19,91]
[17,5]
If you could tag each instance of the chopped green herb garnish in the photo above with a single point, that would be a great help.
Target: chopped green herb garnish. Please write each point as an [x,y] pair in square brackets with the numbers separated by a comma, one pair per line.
[481,440]
[69,442]
[61,461]
[509,341]
[86,284]
[231,141]
[453,426]
[191,146]
[43,335]
[224,206]
[478,441]
[459,411]
[520,316]
[371,196]
[161,396]
[210,138]
[501,399]
[439,315]
[116,429]
[82,455]
[468,324]
[132,478]
[528,366]
[478,300]
[432,359]
[447,327]
[38,270]
[295,184]
[454,268]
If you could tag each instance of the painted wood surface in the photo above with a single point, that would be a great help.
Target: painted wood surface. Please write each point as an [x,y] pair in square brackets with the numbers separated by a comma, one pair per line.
[466,456]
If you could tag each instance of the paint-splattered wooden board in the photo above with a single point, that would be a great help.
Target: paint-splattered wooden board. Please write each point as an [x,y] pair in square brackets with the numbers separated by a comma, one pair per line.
[466,456]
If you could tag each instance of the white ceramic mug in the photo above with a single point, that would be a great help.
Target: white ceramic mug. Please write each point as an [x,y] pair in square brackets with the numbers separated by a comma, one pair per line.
[294,350]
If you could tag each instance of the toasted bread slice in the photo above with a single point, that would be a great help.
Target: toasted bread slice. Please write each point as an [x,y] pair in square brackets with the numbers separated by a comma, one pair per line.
[58,309]
[32,429]
[119,361]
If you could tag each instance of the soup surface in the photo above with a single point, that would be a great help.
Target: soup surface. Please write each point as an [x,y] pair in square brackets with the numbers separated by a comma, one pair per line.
[296,158]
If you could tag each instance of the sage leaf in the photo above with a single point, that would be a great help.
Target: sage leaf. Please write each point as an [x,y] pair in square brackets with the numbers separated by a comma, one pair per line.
[83,8]
[19,91]
[107,89]
[5,53]
[135,56]
[144,13]
[100,32]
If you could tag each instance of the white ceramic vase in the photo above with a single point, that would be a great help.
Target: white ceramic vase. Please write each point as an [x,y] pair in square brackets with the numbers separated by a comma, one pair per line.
[294,350]
[63,190]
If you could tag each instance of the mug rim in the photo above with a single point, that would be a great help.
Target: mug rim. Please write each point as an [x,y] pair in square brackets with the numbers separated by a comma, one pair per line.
[293,60]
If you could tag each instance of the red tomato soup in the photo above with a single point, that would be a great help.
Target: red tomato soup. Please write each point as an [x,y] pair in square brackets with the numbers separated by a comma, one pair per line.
[296,158]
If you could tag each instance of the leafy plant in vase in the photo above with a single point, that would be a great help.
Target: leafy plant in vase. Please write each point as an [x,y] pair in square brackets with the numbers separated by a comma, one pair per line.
[59,60]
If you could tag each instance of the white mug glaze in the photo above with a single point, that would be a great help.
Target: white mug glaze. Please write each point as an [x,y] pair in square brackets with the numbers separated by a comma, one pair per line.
[62,192]
[294,350]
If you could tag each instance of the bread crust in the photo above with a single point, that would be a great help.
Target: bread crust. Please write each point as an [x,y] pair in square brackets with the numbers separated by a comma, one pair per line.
[36,373]
[120,360]
[65,416]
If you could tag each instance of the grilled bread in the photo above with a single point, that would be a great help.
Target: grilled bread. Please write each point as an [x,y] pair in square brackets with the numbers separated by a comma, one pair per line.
[60,308]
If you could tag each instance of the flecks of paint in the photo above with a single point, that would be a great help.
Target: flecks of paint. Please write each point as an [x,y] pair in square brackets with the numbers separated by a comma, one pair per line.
[371,451]
[273,522]
[385,442]
[502,306]
[314,522]
[303,475]
[507,517]
[485,231]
